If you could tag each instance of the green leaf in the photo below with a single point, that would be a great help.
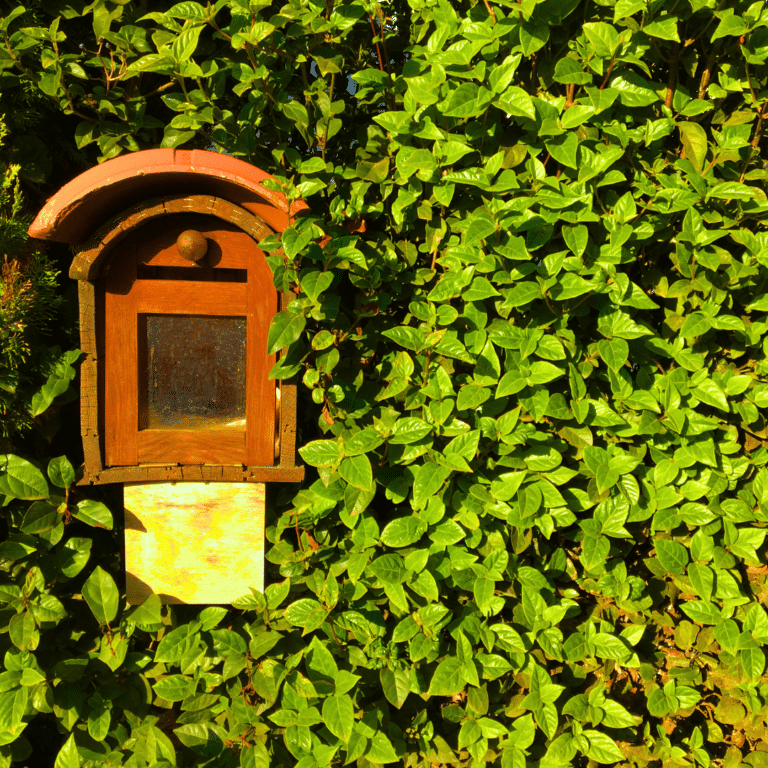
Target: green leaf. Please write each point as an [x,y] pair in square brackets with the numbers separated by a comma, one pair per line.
[284,330]
[447,679]
[314,283]
[20,479]
[730,190]
[100,592]
[468,100]
[634,90]
[402,532]
[176,644]
[356,470]
[752,661]
[696,324]
[409,430]
[533,36]
[694,140]
[523,293]
[672,556]
[511,383]
[189,11]
[320,453]
[518,102]
[663,27]
[185,44]
[381,751]
[602,748]
[60,472]
[609,647]
[68,756]
[576,238]
[148,613]
[702,612]
[709,392]
[615,352]
[603,38]
[396,685]
[472,396]
[703,580]
[388,569]
[73,555]
[658,704]
[407,337]
[606,477]
[175,687]
[297,613]
[94,513]
[484,590]
[40,517]
[730,26]
[427,482]
[564,150]
[22,630]
[339,716]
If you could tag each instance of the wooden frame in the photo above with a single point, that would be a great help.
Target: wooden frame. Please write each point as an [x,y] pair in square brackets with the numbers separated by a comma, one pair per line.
[94,267]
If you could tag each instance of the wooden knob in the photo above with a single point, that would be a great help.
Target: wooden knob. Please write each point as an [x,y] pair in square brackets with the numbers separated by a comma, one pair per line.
[191,245]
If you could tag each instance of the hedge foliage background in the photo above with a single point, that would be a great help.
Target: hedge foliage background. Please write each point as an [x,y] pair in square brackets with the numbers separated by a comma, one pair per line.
[535,382]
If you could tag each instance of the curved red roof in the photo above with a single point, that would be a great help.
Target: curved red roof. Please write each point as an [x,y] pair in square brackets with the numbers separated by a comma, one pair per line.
[89,199]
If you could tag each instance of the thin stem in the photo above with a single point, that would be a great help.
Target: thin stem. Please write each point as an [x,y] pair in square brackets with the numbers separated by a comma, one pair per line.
[216,27]
[706,74]
[550,307]
[376,42]
[180,81]
[608,73]
[491,12]
[328,123]
[709,167]
[672,80]
[749,82]
[161,89]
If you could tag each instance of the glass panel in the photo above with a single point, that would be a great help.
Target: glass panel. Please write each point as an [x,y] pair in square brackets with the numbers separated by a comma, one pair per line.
[193,371]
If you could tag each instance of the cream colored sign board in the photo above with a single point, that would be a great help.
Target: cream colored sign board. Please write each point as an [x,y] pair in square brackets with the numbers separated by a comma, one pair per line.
[197,543]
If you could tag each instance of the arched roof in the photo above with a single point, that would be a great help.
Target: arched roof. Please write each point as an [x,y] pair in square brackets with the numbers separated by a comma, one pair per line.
[83,204]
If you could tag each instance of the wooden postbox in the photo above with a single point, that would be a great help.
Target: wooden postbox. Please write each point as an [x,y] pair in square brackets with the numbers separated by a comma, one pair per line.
[176,300]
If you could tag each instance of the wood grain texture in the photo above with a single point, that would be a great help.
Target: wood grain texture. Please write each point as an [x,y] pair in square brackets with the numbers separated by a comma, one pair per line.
[227,243]
[121,349]
[288,425]
[260,391]
[89,408]
[190,297]
[150,229]
[93,254]
[144,473]
[191,446]
[194,542]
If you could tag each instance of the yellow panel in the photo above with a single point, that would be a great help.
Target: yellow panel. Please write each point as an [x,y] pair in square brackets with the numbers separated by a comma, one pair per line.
[193,542]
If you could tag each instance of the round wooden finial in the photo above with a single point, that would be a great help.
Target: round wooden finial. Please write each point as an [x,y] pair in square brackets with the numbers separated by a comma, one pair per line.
[191,245]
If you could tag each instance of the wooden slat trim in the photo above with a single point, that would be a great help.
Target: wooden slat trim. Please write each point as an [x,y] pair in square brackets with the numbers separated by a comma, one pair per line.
[192,446]
[86,267]
[189,297]
[120,355]
[195,473]
[287,406]
[260,391]
[92,253]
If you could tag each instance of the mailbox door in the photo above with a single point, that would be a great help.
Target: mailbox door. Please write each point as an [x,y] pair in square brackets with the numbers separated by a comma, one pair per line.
[185,363]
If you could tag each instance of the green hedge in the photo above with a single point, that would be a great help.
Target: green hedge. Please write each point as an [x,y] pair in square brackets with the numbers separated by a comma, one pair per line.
[534,388]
